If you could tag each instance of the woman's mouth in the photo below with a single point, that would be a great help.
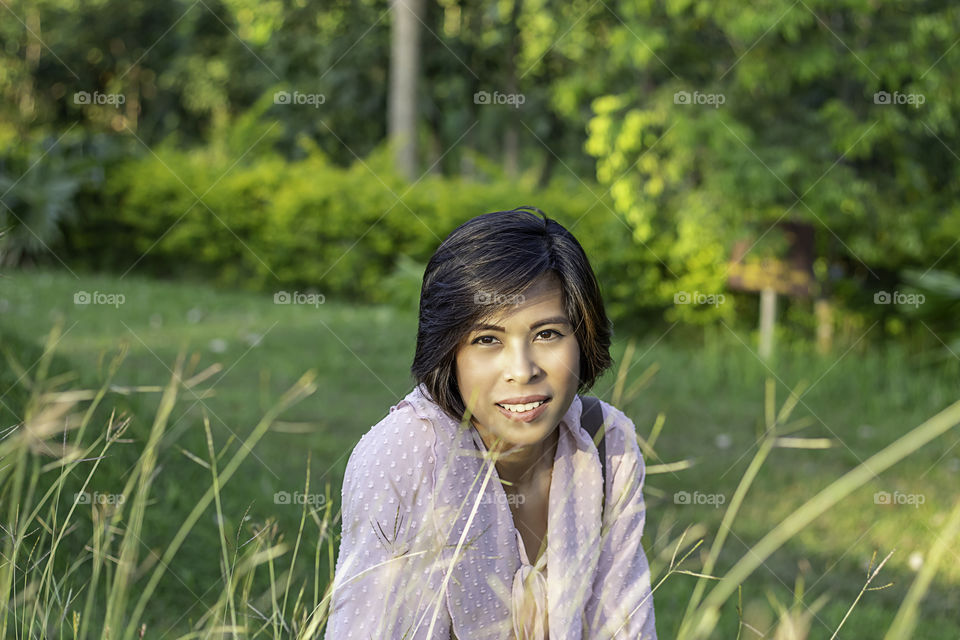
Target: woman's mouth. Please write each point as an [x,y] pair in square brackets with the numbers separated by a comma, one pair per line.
[524,412]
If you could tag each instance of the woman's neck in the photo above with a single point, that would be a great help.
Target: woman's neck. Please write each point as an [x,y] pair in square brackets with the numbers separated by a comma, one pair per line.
[524,466]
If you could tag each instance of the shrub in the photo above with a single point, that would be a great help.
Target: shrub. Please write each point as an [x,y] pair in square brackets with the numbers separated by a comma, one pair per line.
[273,224]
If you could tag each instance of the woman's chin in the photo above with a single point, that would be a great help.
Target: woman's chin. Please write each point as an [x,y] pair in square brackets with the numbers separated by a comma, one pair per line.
[519,433]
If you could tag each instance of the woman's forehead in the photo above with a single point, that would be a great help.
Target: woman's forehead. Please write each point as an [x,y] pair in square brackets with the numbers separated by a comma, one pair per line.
[545,307]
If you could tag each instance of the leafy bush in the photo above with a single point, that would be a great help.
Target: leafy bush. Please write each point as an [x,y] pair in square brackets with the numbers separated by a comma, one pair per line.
[271,224]
[262,222]
[38,185]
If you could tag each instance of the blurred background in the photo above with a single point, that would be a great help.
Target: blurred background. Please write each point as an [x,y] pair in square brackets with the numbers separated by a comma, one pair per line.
[766,191]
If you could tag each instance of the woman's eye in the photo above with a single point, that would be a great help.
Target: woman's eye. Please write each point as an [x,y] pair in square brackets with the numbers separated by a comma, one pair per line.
[480,339]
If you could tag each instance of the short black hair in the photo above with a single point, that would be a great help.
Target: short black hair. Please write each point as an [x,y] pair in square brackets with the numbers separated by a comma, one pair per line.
[479,270]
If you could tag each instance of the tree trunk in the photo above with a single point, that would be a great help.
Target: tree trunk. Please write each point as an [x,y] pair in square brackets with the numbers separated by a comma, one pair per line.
[404,69]
[511,137]
[549,160]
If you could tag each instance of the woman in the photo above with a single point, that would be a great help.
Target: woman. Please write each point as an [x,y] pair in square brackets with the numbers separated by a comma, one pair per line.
[476,508]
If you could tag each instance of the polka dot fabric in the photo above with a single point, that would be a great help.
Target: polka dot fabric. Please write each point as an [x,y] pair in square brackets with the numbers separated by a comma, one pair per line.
[429,549]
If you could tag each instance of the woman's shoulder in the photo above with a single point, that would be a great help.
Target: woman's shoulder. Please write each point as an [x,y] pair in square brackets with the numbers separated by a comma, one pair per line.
[617,422]
[403,429]
[389,481]
[401,445]
[621,435]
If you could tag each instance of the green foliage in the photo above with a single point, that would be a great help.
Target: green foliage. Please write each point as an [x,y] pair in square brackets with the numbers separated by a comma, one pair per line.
[185,68]
[743,116]
[798,137]
[939,306]
[37,192]
[361,233]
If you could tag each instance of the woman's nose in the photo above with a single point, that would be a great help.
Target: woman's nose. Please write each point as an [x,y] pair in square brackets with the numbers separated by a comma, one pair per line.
[520,366]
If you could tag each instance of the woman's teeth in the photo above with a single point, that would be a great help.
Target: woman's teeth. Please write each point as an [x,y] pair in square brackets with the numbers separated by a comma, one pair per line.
[520,408]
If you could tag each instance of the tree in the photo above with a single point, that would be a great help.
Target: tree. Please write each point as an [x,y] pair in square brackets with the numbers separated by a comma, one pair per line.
[404,69]
[839,114]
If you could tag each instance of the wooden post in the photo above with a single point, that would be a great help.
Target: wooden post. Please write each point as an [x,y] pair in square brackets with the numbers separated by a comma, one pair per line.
[824,312]
[768,318]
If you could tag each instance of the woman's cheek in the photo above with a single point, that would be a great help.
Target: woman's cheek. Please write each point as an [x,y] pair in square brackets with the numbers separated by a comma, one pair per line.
[565,359]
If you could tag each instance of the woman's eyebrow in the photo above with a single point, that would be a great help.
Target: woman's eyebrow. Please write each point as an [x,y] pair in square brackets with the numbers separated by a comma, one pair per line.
[539,323]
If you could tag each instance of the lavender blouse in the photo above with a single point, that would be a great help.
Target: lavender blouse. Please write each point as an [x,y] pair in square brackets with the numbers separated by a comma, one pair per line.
[429,548]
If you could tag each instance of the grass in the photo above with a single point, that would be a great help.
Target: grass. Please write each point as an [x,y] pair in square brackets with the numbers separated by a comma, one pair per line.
[708,392]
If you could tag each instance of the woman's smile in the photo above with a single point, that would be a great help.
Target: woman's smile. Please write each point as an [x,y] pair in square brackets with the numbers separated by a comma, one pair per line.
[524,412]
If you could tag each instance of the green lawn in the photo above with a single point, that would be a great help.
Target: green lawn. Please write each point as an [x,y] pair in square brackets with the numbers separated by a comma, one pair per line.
[709,385]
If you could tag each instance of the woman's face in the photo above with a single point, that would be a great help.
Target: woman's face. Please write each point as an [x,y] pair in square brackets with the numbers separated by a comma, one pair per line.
[526,355]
